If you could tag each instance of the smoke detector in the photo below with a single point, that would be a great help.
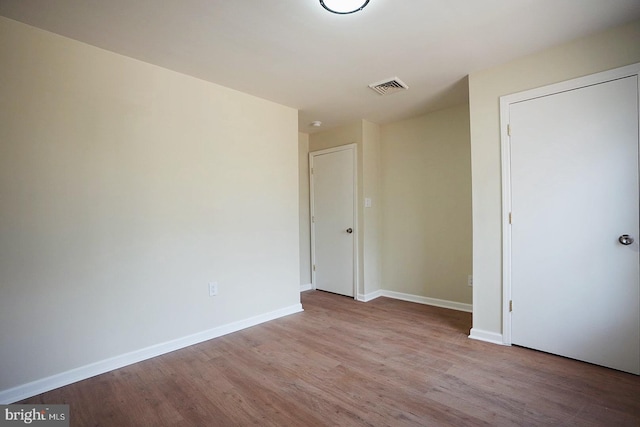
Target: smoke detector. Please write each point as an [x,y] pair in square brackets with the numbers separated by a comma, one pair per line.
[389,86]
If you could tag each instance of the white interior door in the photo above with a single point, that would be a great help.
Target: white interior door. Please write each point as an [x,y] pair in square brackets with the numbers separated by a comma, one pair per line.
[333,219]
[574,192]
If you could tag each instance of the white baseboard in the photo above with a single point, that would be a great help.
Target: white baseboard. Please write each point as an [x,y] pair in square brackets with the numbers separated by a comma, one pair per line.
[306,287]
[370,296]
[428,301]
[480,335]
[65,378]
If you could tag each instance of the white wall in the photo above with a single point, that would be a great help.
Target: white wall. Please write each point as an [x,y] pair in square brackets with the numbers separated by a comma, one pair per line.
[426,192]
[124,189]
[599,52]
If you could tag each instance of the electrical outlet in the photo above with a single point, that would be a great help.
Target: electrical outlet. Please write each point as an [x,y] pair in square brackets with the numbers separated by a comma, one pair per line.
[213,289]
[470,280]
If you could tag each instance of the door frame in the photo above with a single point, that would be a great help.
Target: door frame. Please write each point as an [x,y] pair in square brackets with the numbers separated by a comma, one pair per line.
[354,148]
[505,147]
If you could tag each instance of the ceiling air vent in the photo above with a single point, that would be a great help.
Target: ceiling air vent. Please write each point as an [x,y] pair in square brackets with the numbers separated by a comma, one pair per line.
[387,86]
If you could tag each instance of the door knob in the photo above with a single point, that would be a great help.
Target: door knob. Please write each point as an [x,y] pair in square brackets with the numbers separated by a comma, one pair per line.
[625,239]
[350,230]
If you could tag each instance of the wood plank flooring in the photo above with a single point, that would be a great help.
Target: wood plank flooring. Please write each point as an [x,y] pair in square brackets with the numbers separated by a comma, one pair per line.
[347,363]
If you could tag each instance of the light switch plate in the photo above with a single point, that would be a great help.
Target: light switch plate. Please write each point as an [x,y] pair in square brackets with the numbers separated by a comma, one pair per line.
[213,289]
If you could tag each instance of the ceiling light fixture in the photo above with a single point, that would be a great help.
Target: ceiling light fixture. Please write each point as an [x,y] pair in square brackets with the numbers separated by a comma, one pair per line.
[343,7]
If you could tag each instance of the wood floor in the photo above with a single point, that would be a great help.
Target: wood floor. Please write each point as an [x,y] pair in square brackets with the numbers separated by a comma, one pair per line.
[346,363]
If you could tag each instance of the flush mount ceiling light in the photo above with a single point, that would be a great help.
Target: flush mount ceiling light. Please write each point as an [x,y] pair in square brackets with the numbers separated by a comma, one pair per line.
[343,7]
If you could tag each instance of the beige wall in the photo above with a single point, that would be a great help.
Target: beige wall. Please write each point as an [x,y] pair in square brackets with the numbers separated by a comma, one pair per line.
[366,136]
[610,49]
[305,226]
[125,188]
[372,216]
[426,192]
[348,134]
[417,174]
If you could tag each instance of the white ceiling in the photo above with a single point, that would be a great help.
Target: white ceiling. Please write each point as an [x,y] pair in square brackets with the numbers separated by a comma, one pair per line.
[295,53]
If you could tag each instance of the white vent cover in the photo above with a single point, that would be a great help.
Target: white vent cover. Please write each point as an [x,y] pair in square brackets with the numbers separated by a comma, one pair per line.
[387,86]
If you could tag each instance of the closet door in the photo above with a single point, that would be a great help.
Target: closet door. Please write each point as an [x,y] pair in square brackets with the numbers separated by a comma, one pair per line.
[575,286]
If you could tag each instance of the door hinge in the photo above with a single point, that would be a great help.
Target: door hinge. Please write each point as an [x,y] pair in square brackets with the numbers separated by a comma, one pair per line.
[509,129]
[313,218]
[311,171]
[510,306]
[314,267]
[510,218]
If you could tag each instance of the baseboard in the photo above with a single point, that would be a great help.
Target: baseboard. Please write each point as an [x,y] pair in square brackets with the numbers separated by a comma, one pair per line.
[306,287]
[480,335]
[370,296]
[428,301]
[65,378]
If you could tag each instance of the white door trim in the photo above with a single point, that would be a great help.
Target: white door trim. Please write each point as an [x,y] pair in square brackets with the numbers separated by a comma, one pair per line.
[505,103]
[353,147]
